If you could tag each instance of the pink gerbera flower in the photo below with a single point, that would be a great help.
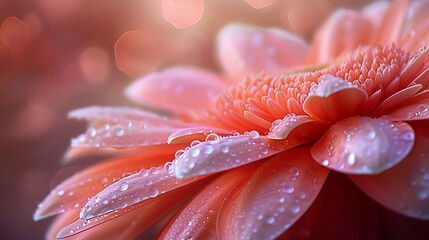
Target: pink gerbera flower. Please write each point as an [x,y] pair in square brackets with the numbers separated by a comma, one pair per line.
[245,158]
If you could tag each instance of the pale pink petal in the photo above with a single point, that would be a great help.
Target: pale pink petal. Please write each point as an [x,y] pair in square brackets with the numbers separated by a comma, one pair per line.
[176,89]
[334,99]
[247,50]
[394,100]
[392,22]
[123,135]
[74,192]
[227,153]
[196,133]
[374,12]
[418,110]
[138,187]
[115,114]
[124,223]
[344,31]
[182,13]
[274,198]
[198,219]
[260,3]
[405,187]
[361,145]
[15,34]
[297,126]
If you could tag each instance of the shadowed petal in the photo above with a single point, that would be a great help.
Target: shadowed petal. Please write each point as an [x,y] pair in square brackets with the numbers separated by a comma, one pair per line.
[226,153]
[176,89]
[333,99]
[405,187]
[301,126]
[394,100]
[75,191]
[247,50]
[15,34]
[361,145]
[274,198]
[196,133]
[133,189]
[182,13]
[198,219]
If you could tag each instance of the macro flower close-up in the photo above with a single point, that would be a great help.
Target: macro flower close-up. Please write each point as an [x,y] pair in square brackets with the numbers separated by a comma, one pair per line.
[319,134]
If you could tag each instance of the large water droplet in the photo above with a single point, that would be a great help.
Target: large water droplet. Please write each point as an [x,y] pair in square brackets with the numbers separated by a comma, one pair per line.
[123,187]
[195,152]
[224,149]
[253,134]
[208,149]
[152,192]
[351,158]
[288,189]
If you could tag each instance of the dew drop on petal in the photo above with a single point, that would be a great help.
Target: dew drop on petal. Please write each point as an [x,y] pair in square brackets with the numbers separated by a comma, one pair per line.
[123,187]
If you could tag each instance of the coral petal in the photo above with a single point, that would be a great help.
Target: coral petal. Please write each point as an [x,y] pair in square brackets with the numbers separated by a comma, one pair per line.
[418,110]
[176,89]
[183,13]
[301,126]
[15,34]
[146,184]
[274,198]
[226,153]
[333,99]
[247,50]
[198,219]
[391,24]
[394,100]
[196,133]
[361,145]
[405,187]
[74,191]
[414,67]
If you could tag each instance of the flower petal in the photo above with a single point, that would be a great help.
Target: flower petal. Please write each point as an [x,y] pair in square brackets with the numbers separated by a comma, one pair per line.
[274,198]
[418,110]
[414,67]
[301,126]
[226,153]
[361,145]
[394,100]
[73,192]
[182,14]
[126,223]
[247,50]
[405,187]
[104,115]
[15,34]
[334,99]
[196,133]
[391,25]
[176,89]
[133,189]
[198,219]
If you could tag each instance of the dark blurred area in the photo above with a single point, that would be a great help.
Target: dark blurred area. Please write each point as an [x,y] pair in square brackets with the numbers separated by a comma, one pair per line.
[56,56]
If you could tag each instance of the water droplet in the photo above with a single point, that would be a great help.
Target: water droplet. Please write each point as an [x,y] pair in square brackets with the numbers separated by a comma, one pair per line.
[105,202]
[123,187]
[294,172]
[61,192]
[325,162]
[281,200]
[409,136]
[212,138]
[260,216]
[271,220]
[288,189]
[152,192]
[224,149]
[351,158]
[144,172]
[423,110]
[195,152]
[295,209]
[263,150]
[179,153]
[168,167]
[371,135]
[119,132]
[194,143]
[253,134]
[92,132]
[208,149]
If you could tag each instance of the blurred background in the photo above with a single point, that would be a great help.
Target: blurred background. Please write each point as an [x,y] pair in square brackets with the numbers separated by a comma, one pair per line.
[56,56]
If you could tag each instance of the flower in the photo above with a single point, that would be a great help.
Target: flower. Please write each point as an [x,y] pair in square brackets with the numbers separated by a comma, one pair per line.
[251,163]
